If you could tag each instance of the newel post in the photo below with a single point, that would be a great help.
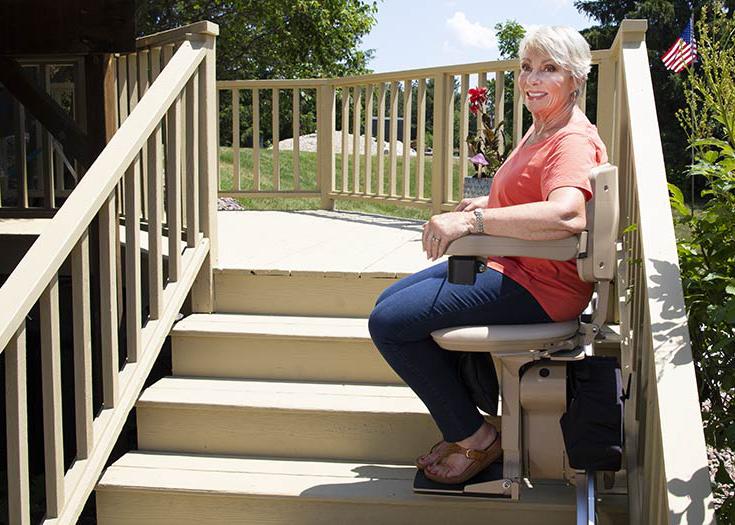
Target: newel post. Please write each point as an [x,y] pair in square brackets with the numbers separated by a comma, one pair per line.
[325,144]
[202,292]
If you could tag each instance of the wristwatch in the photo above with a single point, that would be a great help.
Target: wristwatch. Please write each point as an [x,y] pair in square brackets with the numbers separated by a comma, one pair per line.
[479,226]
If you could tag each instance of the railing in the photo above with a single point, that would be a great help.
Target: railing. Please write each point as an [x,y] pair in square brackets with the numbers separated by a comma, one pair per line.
[436,184]
[42,172]
[88,222]
[668,475]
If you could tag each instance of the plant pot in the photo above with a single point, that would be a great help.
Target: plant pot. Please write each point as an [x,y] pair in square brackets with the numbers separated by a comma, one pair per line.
[476,187]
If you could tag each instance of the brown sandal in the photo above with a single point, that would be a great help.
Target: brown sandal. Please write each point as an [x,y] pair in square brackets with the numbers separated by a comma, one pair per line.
[481,460]
[422,466]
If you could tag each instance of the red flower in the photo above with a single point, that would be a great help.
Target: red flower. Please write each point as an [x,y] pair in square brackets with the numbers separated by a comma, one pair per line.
[478,97]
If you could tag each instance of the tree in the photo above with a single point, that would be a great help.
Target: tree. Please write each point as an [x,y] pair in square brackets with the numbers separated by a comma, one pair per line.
[273,39]
[666,19]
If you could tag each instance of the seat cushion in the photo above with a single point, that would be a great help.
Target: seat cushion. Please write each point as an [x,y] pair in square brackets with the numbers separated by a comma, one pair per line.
[498,338]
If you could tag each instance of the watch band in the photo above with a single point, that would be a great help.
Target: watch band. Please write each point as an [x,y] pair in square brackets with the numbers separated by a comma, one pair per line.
[479,224]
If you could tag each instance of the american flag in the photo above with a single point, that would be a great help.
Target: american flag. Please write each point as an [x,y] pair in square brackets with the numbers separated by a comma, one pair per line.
[683,52]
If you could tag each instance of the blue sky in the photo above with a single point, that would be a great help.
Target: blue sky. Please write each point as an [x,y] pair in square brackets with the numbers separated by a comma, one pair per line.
[413,34]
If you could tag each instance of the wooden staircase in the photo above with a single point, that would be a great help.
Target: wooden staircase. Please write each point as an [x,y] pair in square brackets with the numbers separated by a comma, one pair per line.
[281,410]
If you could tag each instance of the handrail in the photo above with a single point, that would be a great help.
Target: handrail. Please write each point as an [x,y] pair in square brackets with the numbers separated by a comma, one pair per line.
[668,475]
[183,96]
[25,285]
[178,34]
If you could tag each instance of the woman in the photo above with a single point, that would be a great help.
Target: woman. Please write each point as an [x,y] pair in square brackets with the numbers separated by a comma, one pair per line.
[538,193]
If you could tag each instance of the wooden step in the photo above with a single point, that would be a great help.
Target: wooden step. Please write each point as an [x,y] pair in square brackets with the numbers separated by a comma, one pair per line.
[150,488]
[310,293]
[275,419]
[278,347]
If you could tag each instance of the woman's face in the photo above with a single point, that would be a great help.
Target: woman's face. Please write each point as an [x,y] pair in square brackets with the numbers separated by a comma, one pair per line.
[546,86]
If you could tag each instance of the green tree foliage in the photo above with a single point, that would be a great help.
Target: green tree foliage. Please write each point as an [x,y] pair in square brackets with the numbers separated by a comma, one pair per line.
[666,19]
[707,256]
[273,39]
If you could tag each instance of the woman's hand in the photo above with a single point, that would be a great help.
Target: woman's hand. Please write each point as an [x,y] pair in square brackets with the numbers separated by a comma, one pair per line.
[472,204]
[443,229]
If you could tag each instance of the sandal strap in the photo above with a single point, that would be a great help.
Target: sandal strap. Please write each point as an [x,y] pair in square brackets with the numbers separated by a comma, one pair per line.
[470,453]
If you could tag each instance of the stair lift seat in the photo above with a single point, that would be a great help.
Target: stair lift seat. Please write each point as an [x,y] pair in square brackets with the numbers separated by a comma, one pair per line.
[532,357]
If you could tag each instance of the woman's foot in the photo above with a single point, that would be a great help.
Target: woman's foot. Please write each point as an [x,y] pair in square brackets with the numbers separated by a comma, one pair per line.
[456,464]
[430,457]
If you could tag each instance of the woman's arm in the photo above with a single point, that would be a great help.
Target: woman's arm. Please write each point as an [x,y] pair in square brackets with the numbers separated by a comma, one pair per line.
[562,215]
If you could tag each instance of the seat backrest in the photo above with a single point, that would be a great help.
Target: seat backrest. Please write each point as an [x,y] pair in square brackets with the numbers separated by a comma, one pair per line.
[597,262]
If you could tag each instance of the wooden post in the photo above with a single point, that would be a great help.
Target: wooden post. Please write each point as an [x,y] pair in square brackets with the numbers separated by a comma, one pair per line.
[202,291]
[325,144]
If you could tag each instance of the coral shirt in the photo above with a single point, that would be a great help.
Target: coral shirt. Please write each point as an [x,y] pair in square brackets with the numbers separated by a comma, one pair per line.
[530,173]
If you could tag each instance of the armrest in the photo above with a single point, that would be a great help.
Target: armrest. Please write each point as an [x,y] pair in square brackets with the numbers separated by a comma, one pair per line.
[481,245]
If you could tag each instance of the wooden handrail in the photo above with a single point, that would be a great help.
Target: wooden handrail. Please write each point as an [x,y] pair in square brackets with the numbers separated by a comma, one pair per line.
[26,284]
[668,474]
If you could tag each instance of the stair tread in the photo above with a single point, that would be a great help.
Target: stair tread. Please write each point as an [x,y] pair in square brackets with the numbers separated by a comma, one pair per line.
[324,480]
[235,393]
[273,326]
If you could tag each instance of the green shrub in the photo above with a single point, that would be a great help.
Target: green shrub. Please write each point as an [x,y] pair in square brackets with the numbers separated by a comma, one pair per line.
[707,254]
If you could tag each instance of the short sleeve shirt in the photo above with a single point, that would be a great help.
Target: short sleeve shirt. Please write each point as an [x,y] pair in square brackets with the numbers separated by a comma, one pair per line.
[530,174]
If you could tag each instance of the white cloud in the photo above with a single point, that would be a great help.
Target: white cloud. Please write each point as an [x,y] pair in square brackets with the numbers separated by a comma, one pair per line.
[471,34]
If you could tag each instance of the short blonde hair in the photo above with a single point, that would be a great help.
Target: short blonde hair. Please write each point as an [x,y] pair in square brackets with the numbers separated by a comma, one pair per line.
[563,45]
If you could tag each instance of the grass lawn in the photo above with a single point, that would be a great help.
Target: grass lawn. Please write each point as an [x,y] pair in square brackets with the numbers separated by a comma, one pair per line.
[307,168]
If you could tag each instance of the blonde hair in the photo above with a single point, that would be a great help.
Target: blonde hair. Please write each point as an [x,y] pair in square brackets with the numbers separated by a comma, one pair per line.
[563,45]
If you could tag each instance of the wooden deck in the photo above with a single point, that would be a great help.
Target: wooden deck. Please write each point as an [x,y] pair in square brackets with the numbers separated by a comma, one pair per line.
[318,241]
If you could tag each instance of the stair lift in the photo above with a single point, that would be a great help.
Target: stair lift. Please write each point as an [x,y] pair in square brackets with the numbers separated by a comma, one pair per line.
[533,358]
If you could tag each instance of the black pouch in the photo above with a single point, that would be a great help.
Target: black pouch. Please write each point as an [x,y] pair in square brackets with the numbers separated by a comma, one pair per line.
[592,426]
[477,372]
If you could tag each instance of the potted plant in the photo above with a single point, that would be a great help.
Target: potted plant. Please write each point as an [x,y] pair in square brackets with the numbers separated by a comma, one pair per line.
[484,147]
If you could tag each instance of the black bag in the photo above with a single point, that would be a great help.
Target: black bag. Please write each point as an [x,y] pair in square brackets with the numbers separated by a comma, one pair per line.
[592,426]
[477,372]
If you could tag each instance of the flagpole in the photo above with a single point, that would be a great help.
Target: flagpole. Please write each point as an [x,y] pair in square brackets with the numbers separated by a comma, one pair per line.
[691,20]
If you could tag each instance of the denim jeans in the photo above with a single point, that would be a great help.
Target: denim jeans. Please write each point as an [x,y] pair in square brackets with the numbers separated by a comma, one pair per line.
[407,312]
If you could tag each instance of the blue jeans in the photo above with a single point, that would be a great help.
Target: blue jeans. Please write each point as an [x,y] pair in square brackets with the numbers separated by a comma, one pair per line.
[407,312]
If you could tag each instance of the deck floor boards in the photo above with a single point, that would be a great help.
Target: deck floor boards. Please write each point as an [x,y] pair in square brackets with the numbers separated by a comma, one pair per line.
[332,242]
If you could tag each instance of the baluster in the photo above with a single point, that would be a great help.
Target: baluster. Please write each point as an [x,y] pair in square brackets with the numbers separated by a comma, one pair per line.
[192,161]
[420,137]
[236,139]
[345,138]
[256,139]
[464,128]
[449,143]
[16,410]
[296,136]
[21,167]
[52,418]
[82,347]
[122,97]
[368,177]
[108,300]
[132,262]
[173,190]
[517,111]
[500,107]
[407,99]
[155,224]
[155,208]
[356,116]
[381,139]
[49,191]
[144,84]
[393,164]
[276,139]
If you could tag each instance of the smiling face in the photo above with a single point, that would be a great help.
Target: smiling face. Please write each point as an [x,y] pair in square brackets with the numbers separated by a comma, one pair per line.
[547,87]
